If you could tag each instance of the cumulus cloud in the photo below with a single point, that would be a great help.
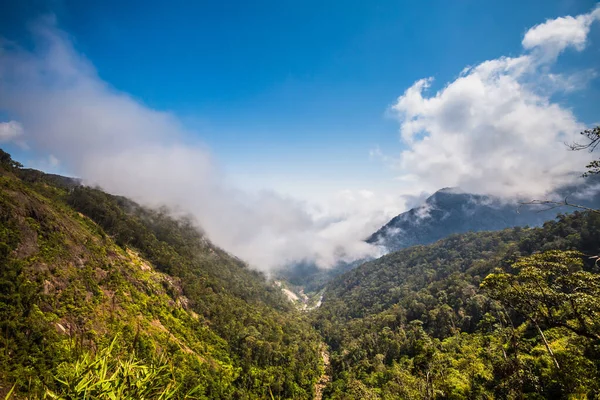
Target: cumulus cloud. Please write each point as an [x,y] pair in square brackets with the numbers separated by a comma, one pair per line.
[495,129]
[554,36]
[113,140]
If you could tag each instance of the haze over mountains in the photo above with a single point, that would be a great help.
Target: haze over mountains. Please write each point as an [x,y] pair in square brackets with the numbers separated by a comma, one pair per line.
[448,212]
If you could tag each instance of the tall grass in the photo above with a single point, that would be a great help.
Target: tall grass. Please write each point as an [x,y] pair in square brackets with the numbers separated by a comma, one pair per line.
[108,375]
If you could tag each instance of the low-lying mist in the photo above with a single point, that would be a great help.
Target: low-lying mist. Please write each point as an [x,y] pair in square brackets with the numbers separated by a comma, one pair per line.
[111,140]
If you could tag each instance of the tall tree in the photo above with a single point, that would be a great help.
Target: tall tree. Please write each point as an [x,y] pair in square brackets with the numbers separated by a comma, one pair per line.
[551,289]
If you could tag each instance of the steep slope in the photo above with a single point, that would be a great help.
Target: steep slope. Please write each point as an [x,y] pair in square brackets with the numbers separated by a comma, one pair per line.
[449,211]
[81,269]
[416,323]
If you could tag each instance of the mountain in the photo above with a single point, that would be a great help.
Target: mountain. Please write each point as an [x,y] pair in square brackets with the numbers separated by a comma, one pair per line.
[446,212]
[450,211]
[504,314]
[103,298]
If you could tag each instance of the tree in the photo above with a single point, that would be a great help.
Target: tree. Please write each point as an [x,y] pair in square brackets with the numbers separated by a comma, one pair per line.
[593,139]
[553,290]
[593,168]
[7,161]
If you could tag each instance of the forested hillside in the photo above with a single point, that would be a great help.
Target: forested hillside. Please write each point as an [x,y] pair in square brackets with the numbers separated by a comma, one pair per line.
[471,316]
[450,211]
[103,298]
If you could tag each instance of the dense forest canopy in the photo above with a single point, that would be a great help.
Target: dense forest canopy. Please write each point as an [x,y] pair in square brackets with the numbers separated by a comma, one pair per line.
[505,314]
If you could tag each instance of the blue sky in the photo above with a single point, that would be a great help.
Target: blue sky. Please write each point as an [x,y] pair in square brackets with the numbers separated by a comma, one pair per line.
[289,90]
[347,113]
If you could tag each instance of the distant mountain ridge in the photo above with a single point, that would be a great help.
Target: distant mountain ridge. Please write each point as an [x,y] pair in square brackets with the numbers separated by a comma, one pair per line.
[449,211]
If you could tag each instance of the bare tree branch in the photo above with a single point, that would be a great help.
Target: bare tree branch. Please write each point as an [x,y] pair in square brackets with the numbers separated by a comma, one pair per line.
[593,136]
[556,204]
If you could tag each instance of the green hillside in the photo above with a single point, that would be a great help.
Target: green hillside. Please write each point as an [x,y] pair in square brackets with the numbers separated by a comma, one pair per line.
[431,322]
[100,297]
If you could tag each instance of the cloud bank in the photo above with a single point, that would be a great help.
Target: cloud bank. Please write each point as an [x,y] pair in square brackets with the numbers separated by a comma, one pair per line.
[495,130]
[110,139]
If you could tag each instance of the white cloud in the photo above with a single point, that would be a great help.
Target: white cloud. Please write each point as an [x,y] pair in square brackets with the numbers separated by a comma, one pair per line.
[10,131]
[553,36]
[494,129]
[569,83]
[113,140]
[49,164]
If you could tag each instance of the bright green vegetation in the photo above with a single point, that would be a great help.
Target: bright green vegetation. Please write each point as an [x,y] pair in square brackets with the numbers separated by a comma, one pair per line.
[107,375]
[102,298]
[509,314]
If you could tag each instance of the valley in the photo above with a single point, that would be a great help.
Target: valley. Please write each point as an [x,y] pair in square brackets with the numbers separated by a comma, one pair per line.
[299,200]
[447,212]
[91,278]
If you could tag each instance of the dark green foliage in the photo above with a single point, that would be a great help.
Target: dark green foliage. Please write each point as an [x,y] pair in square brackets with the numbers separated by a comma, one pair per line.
[551,289]
[416,324]
[234,298]
[173,246]
[7,162]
